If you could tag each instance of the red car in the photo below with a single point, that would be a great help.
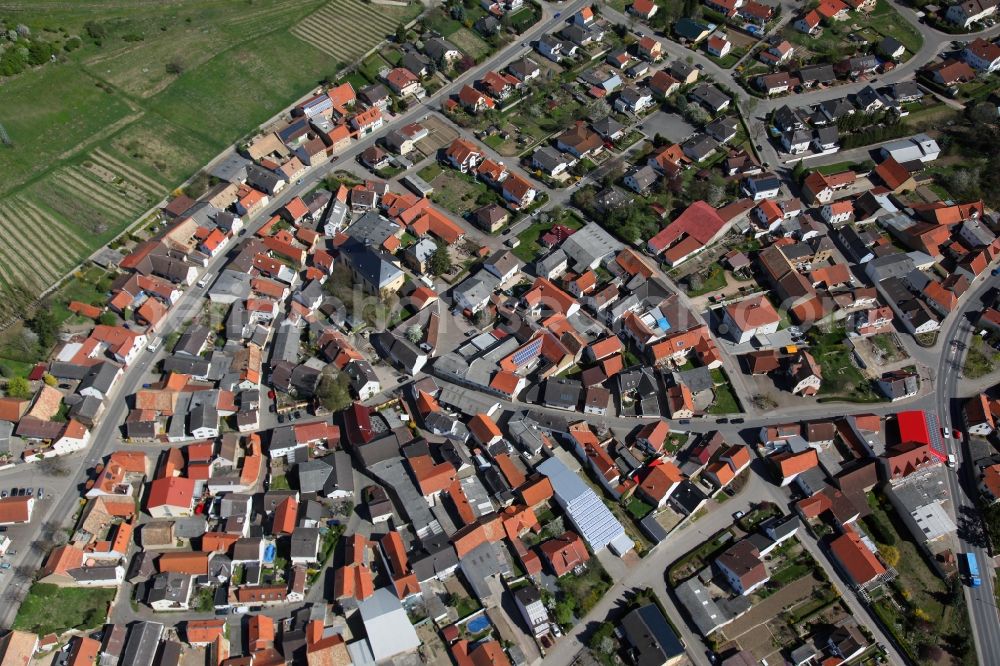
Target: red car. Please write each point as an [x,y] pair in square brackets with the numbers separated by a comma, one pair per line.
[270,394]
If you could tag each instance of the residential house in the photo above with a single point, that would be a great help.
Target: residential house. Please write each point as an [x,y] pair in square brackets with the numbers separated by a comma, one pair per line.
[982,55]
[718,46]
[964,14]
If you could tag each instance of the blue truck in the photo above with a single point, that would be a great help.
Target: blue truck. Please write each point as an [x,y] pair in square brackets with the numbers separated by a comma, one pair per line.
[972,569]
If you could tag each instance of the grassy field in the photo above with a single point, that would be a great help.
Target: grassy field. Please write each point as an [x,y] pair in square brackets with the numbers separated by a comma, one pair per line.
[470,44]
[50,608]
[154,91]
[242,87]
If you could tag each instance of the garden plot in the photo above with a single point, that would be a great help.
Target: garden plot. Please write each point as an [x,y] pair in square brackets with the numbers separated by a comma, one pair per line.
[440,134]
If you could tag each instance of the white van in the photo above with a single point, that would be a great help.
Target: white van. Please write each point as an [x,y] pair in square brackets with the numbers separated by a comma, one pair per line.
[154,344]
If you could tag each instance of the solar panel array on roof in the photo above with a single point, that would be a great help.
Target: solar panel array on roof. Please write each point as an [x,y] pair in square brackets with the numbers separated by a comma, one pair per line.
[528,353]
[592,519]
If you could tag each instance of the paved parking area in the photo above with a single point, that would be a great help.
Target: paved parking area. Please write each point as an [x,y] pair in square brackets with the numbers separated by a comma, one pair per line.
[669,125]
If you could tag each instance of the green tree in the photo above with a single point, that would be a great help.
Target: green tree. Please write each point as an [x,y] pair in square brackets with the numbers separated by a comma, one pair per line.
[40,52]
[564,612]
[18,387]
[44,325]
[799,171]
[107,319]
[440,261]
[333,392]
[95,30]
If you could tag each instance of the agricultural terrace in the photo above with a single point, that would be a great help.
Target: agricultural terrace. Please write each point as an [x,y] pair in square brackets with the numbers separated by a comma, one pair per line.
[348,29]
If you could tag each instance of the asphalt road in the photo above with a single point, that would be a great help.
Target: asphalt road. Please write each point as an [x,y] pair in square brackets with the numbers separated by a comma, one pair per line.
[980,600]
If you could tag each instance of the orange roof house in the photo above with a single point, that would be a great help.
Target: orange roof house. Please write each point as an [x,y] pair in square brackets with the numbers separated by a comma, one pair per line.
[285,516]
[858,562]
[46,404]
[565,552]
[484,429]
[736,456]
[790,465]
[354,579]
[545,294]
[12,409]
[660,482]
[85,310]
[170,496]
[433,478]
[218,542]
[434,222]
[519,519]
[61,560]
[515,477]
[203,632]
[16,510]
[654,435]
[484,530]
[260,632]
[535,490]
[720,473]
[189,563]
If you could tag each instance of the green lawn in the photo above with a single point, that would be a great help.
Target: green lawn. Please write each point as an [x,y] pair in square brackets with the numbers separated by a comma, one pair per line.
[978,359]
[279,482]
[638,508]
[713,278]
[841,377]
[725,398]
[524,18]
[465,606]
[494,141]
[372,65]
[53,609]
[90,287]
[439,21]
[430,172]
[884,20]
